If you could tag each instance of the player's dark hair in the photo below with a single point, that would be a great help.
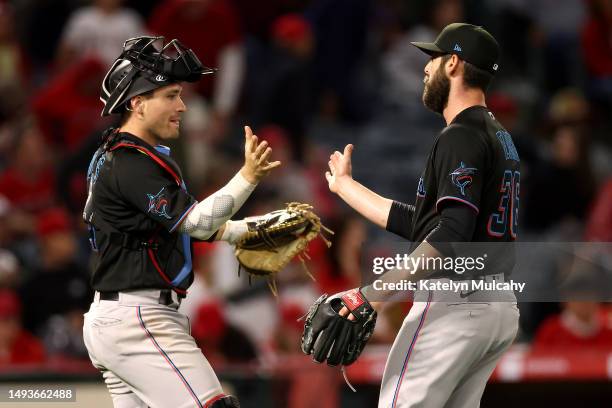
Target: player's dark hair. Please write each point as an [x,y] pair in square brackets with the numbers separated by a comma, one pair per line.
[475,77]
[445,58]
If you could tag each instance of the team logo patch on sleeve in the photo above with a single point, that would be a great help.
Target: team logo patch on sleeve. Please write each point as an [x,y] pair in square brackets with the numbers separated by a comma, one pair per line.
[462,177]
[158,204]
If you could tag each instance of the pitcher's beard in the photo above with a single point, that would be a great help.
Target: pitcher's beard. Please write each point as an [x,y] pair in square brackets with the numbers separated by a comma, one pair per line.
[435,94]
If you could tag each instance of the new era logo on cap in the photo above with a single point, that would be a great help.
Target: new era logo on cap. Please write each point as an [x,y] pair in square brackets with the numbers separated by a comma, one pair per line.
[457,48]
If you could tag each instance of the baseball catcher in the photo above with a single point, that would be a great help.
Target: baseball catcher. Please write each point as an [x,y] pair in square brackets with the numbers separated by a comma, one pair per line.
[142,222]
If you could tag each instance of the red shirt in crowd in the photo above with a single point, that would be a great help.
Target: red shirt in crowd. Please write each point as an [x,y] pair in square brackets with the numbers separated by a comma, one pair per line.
[26,349]
[68,108]
[29,195]
[206,27]
[555,333]
[597,46]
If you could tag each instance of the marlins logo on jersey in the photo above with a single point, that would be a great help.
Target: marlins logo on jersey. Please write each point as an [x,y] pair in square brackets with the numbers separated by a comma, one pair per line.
[158,204]
[462,177]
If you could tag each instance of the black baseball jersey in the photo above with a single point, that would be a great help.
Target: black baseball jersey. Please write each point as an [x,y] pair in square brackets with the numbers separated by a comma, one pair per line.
[474,162]
[137,199]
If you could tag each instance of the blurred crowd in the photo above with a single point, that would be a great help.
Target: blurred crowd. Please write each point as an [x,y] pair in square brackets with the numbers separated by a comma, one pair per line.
[309,77]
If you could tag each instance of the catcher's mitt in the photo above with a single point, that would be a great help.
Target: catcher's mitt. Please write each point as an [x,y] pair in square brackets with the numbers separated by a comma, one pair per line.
[334,338]
[274,239]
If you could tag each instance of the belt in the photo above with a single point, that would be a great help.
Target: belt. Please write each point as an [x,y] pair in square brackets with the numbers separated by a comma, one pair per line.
[165,296]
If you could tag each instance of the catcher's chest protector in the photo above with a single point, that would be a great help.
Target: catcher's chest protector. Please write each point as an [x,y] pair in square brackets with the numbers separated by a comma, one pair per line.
[165,257]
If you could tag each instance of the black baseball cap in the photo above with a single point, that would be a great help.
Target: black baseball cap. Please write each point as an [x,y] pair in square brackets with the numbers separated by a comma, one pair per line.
[471,43]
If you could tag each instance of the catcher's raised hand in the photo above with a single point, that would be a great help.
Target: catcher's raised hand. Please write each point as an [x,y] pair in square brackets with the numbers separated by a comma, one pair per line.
[256,155]
[340,168]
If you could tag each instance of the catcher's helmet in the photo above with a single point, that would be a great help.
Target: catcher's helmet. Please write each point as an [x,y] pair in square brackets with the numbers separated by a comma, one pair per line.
[145,64]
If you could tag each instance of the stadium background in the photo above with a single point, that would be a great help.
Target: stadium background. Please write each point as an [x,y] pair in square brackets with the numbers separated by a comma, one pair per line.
[309,77]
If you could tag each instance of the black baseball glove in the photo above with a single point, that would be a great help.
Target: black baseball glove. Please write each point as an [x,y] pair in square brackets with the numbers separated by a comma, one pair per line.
[334,338]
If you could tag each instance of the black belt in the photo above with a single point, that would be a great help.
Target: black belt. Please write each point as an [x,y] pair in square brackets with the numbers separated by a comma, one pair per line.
[165,296]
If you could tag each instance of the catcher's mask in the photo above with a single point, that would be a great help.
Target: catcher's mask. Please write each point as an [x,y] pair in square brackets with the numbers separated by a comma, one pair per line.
[145,64]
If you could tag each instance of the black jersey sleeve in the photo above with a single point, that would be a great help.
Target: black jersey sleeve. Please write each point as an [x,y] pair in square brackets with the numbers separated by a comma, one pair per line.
[399,220]
[457,224]
[151,189]
[460,167]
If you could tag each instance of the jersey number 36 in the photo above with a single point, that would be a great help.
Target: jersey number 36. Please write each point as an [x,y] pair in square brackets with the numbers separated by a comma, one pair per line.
[507,211]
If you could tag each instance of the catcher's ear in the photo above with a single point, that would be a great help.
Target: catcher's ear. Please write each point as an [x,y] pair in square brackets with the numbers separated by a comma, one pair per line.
[140,107]
[136,105]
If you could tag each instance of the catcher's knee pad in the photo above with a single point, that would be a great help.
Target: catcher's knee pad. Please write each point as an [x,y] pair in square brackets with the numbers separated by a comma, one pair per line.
[229,401]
